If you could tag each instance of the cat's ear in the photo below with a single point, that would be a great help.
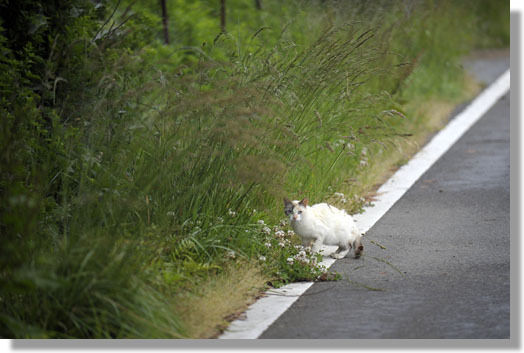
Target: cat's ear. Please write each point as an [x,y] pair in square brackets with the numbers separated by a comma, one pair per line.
[304,201]
[288,207]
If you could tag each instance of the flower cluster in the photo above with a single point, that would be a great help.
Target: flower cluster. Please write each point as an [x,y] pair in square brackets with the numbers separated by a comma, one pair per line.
[344,144]
[280,234]
[305,255]
[363,157]
[282,254]
[359,199]
[282,237]
[340,196]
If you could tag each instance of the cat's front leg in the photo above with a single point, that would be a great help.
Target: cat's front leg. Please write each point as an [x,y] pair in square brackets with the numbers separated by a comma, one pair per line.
[306,243]
[340,253]
[317,245]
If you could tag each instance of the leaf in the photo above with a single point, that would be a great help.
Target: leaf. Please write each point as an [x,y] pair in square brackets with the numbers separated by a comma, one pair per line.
[37,21]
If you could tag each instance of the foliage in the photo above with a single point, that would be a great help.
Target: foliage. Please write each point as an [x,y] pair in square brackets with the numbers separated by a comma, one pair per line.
[131,171]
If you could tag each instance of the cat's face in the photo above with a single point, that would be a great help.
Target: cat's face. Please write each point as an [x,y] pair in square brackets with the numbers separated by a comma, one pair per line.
[294,209]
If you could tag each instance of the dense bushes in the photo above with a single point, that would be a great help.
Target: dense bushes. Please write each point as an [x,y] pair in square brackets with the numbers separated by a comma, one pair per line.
[132,171]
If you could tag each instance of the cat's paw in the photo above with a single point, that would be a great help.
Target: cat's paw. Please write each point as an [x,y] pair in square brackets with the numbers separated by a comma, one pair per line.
[337,256]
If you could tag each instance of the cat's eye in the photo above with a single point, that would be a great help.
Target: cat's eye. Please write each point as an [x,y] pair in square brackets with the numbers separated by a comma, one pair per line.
[299,212]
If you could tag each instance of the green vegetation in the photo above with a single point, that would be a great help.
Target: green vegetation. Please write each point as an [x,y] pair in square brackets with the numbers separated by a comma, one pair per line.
[138,178]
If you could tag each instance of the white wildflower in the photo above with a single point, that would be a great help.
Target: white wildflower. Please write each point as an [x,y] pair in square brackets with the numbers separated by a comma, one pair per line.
[262,258]
[281,244]
[261,221]
[280,234]
[231,213]
[170,214]
[283,222]
[302,257]
[290,260]
[339,194]
[266,230]
[231,254]
[220,220]
[267,245]
[290,233]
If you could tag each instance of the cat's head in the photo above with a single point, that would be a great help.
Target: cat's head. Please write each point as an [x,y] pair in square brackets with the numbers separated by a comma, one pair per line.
[294,209]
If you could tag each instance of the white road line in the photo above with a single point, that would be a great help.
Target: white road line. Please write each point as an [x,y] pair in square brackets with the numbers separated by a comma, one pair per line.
[261,314]
[408,174]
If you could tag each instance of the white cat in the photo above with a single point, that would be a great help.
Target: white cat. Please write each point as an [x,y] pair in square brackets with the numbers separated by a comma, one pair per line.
[324,224]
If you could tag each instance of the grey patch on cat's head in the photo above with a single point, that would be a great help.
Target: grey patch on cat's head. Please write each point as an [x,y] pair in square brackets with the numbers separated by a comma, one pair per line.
[288,207]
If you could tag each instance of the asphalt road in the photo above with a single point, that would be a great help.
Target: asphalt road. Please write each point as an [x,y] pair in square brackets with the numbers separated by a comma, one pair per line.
[445,272]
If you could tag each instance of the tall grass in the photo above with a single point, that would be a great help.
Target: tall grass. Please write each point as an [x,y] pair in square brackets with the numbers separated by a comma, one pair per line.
[153,175]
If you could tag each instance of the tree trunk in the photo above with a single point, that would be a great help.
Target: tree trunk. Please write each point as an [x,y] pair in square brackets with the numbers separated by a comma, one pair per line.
[223,15]
[164,21]
[258,4]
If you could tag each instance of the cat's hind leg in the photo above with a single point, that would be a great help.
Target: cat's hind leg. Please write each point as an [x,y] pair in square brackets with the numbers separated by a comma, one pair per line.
[306,243]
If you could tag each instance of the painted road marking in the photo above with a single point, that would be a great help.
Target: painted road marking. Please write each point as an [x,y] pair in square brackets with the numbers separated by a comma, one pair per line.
[266,310]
